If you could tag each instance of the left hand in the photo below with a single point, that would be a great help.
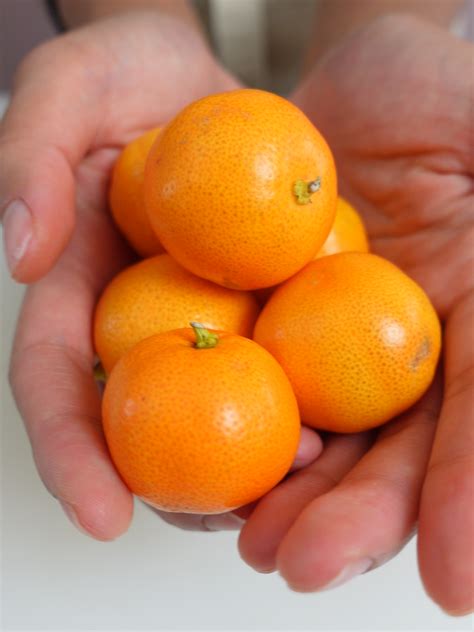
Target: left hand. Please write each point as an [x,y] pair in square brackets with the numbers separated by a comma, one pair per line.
[77,100]
[395,104]
[58,141]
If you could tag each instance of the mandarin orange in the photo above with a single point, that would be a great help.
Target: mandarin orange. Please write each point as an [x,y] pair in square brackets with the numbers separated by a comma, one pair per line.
[198,428]
[126,196]
[358,339]
[241,189]
[157,295]
[347,234]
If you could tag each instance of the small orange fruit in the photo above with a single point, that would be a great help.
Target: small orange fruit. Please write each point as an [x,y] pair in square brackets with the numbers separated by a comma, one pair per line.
[200,423]
[358,339]
[126,196]
[157,295]
[241,189]
[347,233]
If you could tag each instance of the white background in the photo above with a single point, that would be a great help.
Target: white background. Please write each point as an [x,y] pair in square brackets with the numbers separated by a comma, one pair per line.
[157,577]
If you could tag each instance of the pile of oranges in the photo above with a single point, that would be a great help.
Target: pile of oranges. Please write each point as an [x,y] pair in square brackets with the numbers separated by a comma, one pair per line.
[256,307]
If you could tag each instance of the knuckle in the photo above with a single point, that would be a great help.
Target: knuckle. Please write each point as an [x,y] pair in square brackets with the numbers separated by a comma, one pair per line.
[34,59]
[59,427]
[42,363]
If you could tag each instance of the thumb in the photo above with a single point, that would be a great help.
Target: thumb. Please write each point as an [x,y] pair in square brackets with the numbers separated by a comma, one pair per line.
[45,133]
[37,208]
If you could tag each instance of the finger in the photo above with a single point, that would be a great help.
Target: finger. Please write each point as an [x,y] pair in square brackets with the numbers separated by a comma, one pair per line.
[276,512]
[60,404]
[309,449]
[82,91]
[370,514]
[446,528]
[52,381]
[41,143]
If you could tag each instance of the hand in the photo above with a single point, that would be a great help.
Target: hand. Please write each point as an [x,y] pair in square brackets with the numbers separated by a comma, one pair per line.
[395,104]
[96,87]
[77,101]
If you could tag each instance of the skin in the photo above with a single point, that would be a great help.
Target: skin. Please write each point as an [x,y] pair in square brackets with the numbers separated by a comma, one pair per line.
[60,158]
[411,177]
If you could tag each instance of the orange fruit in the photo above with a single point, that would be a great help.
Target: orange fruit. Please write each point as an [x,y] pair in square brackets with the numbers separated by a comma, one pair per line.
[126,196]
[200,430]
[358,339]
[347,233]
[241,189]
[157,295]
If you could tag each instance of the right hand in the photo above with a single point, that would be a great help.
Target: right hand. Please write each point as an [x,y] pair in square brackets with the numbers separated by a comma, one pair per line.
[405,161]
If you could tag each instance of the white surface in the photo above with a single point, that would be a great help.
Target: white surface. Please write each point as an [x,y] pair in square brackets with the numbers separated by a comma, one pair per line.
[157,577]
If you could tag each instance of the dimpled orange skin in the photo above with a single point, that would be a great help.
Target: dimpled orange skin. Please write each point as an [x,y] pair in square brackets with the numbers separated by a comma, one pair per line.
[200,430]
[126,196]
[358,339]
[219,189]
[157,295]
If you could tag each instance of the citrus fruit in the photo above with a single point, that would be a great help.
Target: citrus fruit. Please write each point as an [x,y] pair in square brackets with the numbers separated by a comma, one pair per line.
[198,428]
[126,196]
[241,189]
[157,295]
[347,233]
[358,339]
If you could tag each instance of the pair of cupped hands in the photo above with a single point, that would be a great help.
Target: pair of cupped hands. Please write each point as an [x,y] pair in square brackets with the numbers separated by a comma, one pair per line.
[395,102]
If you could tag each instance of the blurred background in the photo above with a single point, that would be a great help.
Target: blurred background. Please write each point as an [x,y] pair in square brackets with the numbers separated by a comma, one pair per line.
[261,40]
[157,577]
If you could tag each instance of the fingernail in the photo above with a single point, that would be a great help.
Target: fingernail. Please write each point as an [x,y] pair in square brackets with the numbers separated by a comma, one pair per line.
[223,522]
[350,571]
[17,232]
[72,515]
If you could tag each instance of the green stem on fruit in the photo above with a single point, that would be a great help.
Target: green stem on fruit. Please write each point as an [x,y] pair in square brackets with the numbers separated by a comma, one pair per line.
[99,373]
[304,190]
[205,339]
